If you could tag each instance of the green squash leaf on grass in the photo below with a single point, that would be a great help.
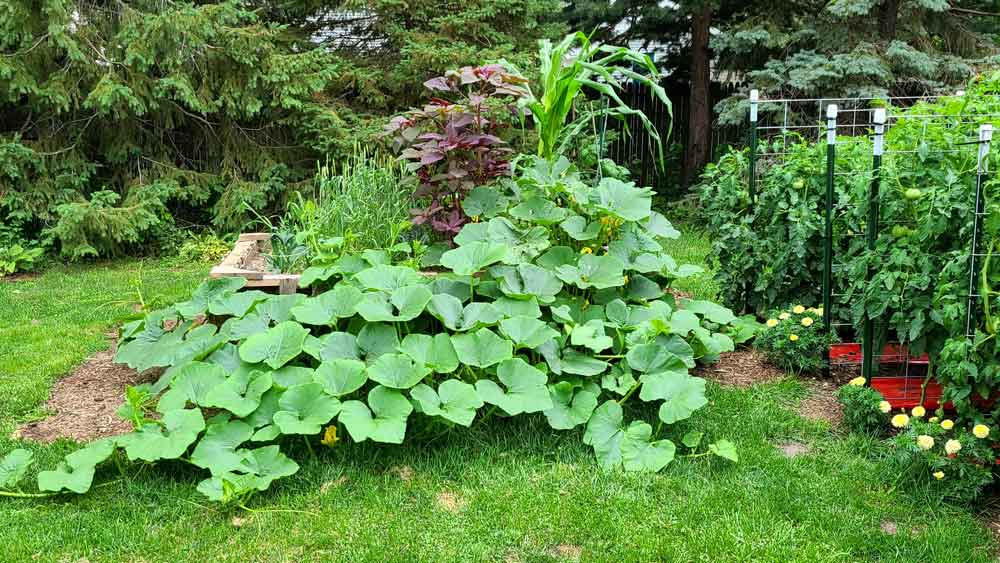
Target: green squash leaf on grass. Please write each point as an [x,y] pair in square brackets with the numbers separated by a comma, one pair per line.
[388,425]
[304,409]
[14,466]
[454,400]
[682,394]
[641,454]
[724,449]
[605,433]
[77,473]
[276,347]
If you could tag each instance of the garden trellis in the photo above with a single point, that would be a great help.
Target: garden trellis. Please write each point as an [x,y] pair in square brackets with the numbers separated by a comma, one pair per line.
[850,125]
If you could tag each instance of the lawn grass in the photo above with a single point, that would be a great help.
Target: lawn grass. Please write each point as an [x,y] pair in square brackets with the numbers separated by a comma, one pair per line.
[513,490]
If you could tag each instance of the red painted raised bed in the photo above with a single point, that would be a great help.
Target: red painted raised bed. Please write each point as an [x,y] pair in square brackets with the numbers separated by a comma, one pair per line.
[900,376]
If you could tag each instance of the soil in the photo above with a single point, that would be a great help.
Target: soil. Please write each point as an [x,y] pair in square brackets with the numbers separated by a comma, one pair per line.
[19,277]
[451,502]
[793,449]
[84,402]
[821,403]
[741,368]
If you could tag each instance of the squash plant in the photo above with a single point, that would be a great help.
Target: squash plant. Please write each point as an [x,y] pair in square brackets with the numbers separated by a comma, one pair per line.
[553,302]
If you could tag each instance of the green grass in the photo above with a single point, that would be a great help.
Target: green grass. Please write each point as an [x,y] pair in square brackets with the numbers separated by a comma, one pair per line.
[522,489]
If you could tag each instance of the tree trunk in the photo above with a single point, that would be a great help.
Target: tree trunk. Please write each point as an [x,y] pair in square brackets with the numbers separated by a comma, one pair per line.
[888,14]
[700,112]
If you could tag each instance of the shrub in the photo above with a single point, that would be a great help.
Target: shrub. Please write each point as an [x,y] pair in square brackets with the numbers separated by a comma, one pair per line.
[795,339]
[205,247]
[864,408]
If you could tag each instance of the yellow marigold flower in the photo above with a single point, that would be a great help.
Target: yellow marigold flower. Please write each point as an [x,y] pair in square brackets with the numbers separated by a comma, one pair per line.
[330,436]
[900,420]
[925,442]
[793,337]
[586,250]
[952,447]
[784,316]
[933,420]
[885,407]
[807,321]
[939,475]
[771,323]
[947,424]
[918,411]
[819,311]
[857,381]
[980,431]
[798,309]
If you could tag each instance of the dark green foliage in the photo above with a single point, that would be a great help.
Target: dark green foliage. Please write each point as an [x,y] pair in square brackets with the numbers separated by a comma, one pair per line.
[114,117]
[861,407]
[795,340]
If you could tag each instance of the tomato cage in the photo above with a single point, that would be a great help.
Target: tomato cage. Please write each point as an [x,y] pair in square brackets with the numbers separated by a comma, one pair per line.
[871,343]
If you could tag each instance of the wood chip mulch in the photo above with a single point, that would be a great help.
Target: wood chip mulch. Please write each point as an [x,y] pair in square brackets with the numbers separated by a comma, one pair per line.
[741,368]
[84,402]
[821,403]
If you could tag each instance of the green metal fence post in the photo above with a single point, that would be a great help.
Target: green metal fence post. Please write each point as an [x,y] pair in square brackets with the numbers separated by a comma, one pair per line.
[868,331]
[985,135]
[831,159]
[752,186]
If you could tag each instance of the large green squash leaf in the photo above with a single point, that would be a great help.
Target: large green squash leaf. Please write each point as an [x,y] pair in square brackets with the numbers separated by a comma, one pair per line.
[341,376]
[191,383]
[404,304]
[452,314]
[13,467]
[339,303]
[388,425]
[240,393]
[206,293]
[682,394]
[397,371]
[525,388]
[77,473]
[167,438]
[217,450]
[624,200]
[276,347]
[605,433]
[527,332]
[569,410]
[591,335]
[236,304]
[304,409]
[454,400]
[436,352]
[473,257]
[482,348]
[599,272]
[527,280]
[376,339]
[641,454]
[332,346]
[388,278]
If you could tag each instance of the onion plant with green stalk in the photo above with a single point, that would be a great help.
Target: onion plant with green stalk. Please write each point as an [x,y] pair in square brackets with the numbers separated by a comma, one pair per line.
[571,67]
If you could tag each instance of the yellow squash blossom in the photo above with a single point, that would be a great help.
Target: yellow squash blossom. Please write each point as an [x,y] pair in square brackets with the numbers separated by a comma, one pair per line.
[900,420]
[771,323]
[925,442]
[918,411]
[981,430]
[807,321]
[857,382]
[952,447]
[947,424]
[330,436]
[784,316]
[798,309]
[885,407]
[586,250]
[793,337]
[939,475]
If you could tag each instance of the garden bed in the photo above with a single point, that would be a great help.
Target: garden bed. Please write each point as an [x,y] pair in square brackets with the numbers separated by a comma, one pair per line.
[248,260]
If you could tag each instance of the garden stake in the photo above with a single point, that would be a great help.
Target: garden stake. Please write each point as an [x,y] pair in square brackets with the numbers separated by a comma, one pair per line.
[831,157]
[753,146]
[872,235]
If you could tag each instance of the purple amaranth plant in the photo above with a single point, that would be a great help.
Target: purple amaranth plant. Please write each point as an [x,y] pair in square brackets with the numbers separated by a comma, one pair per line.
[452,146]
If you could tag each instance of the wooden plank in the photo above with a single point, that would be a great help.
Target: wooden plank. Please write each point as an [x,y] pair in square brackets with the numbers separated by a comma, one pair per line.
[254,236]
